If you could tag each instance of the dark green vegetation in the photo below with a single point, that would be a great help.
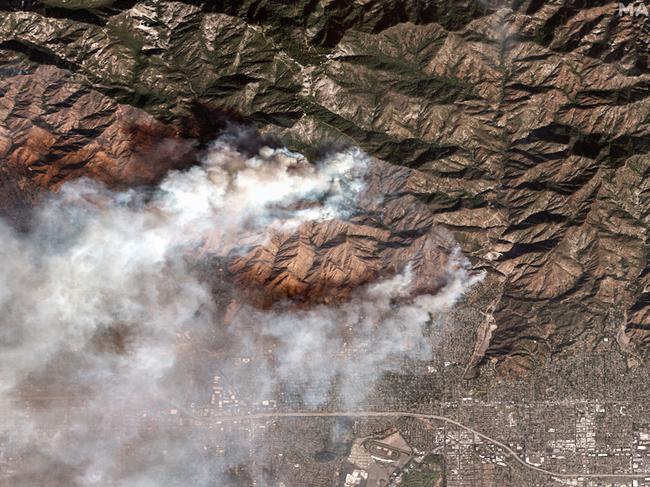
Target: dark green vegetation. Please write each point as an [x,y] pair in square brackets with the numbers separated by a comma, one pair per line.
[427,474]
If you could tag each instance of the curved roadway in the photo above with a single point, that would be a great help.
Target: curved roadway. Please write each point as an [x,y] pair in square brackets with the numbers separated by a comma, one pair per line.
[390,414]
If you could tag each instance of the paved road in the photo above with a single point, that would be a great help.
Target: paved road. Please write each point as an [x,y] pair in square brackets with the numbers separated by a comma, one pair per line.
[393,414]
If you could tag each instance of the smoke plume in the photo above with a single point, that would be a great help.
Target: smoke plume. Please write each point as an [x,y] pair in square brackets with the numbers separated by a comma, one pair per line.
[111,330]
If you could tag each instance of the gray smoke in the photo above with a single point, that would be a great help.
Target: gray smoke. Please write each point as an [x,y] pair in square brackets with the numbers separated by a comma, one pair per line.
[365,337]
[108,332]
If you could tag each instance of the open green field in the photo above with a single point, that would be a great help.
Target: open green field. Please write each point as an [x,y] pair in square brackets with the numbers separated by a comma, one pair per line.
[428,474]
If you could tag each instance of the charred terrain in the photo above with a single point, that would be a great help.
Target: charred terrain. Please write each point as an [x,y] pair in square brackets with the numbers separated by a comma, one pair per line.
[477,181]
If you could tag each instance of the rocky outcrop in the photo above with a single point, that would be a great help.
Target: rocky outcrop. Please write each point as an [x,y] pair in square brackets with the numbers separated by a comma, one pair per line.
[54,130]
[326,261]
[527,123]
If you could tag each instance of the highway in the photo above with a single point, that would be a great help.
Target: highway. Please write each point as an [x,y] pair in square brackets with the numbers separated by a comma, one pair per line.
[430,417]
[392,414]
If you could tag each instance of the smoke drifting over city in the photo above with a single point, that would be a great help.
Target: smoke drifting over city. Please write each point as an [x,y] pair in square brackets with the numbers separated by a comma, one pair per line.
[123,306]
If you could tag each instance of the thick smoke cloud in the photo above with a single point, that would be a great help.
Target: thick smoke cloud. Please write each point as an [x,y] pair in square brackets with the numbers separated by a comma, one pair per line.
[104,317]
[364,337]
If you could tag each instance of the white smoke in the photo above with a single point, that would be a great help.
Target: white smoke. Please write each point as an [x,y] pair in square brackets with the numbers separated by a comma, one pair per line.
[100,302]
[366,336]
